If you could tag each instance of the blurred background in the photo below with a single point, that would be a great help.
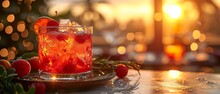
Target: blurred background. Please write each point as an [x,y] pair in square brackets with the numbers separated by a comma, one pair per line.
[159,34]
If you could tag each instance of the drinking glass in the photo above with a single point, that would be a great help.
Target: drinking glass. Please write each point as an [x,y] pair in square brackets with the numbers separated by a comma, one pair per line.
[65,52]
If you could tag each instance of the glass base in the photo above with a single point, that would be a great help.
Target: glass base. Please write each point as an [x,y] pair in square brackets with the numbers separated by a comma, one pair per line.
[76,76]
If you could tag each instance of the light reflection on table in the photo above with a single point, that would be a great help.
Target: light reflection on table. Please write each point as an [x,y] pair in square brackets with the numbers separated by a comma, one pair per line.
[159,82]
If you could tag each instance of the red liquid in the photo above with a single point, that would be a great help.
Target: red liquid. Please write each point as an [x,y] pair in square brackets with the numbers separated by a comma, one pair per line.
[63,53]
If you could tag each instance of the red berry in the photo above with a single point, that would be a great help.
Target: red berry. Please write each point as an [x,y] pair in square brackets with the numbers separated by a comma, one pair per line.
[52,23]
[34,62]
[22,67]
[121,70]
[81,38]
[62,37]
[40,87]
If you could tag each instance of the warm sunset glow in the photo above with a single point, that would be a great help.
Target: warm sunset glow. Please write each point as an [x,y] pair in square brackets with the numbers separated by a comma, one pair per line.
[174,74]
[173,11]
[196,34]
[175,52]
[158,16]
[194,46]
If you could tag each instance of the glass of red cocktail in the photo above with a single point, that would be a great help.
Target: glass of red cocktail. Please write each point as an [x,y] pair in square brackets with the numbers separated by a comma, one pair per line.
[65,52]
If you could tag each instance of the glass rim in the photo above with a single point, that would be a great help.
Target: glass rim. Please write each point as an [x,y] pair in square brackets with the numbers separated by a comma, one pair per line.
[63,29]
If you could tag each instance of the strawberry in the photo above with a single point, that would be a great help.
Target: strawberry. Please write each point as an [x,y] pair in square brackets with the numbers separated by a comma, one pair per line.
[62,37]
[81,38]
[40,87]
[121,70]
[22,67]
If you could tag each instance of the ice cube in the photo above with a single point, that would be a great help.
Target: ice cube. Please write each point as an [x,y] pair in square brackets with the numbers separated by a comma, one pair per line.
[64,23]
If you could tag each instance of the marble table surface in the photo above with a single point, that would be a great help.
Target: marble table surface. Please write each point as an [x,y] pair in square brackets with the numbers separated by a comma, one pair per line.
[156,82]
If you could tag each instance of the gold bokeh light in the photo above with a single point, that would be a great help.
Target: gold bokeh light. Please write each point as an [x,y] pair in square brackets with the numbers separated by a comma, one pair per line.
[11,18]
[24,34]
[9,29]
[202,38]
[121,50]
[26,43]
[30,47]
[140,47]
[21,26]
[15,36]
[4,52]
[194,46]
[139,36]
[196,34]
[130,36]
[11,55]
[5,4]
[1,26]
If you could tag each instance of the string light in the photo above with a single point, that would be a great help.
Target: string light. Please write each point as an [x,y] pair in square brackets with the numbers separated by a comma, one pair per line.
[30,47]
[9,29]
[1,26]
[11,18]
[5,4]
[11,55]
[24,34]
[26,43]
[15,36]
[21,26]
[4,52]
